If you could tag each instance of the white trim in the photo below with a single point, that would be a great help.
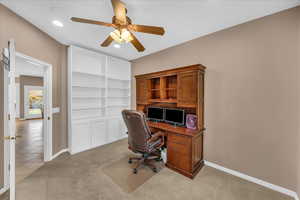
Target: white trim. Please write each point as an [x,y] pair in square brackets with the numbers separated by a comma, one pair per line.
[59,153]
[12,121]
[254,180]
[6,130]
[70,63]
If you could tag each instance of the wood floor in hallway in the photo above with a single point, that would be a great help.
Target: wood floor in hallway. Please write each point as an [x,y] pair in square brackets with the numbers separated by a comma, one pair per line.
[29,147]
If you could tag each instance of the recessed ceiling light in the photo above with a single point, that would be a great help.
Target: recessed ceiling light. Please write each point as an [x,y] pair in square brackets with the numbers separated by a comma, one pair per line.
[57,23]
[117,46]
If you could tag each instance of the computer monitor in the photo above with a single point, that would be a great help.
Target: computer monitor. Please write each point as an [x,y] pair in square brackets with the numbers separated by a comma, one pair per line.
[155,113]
[174,116]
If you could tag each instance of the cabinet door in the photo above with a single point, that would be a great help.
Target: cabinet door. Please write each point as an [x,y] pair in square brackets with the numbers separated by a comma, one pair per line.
[141,91]
[123,129]
[197,149]
[187,89]
[179,151]
[81,136]
[98,136]
[115,129]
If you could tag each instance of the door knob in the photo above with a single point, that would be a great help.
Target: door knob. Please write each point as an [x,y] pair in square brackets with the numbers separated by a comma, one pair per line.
[12,137]
[7,138]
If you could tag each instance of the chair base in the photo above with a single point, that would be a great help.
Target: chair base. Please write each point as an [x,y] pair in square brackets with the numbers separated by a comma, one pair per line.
[145,159]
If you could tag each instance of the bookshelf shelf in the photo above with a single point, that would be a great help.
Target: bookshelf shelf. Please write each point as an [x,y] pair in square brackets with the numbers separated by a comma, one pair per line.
[163,100]
[86,74]
[87,86]
[87,108]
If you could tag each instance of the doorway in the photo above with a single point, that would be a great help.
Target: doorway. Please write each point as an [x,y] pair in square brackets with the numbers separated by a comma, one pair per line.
[31,99]
[29,119]
[34,127]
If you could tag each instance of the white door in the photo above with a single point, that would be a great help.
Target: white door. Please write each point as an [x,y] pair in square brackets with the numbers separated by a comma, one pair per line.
[33,101]
[10,137]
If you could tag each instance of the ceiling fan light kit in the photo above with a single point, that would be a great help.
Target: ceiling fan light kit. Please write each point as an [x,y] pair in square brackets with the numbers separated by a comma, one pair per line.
[123,26]
[121,36]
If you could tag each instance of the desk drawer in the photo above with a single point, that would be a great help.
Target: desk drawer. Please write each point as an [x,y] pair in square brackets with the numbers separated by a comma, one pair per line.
[178,139]
[179,148]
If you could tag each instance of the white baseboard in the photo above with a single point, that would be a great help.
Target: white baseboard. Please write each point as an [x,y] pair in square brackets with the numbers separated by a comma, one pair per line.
[58,153]
[254,180]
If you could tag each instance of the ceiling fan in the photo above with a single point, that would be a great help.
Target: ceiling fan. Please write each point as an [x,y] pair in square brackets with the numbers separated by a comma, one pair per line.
[123,26]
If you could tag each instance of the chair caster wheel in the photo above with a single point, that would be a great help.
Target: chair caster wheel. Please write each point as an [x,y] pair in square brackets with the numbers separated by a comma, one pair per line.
[129,161]
[135,171]
[154,170]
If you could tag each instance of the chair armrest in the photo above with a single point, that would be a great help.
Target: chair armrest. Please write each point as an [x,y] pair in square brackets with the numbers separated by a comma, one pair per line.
[153,130]
[156,136]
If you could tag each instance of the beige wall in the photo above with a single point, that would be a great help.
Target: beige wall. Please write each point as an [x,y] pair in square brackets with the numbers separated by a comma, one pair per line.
[251,103]
[35,43]
[27,80]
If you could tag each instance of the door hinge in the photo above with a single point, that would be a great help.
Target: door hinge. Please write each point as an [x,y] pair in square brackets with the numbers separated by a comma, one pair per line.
[8,167]
[8,116]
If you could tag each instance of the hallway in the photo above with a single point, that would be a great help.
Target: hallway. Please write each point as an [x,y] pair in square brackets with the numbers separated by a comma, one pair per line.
[29,147]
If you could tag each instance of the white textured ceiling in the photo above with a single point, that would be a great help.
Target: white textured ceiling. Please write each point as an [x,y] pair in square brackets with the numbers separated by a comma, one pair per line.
[183,20]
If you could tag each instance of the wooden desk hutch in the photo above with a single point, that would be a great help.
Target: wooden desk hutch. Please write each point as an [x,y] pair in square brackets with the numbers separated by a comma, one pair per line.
[177,88]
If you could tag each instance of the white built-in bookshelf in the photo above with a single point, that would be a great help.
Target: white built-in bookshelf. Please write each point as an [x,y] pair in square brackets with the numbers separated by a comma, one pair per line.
[99,89]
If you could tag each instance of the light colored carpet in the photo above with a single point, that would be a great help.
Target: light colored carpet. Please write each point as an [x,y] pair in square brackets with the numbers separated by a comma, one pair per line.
[121,174]
[77,178]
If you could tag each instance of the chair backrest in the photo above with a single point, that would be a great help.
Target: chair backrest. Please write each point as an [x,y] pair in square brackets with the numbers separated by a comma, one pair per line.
[138,130]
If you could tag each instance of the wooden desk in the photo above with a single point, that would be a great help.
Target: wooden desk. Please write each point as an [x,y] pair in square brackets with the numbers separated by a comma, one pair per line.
[184,148]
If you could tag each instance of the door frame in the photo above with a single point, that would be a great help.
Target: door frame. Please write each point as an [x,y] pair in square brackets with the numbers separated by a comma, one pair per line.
[47,121]
[26,110]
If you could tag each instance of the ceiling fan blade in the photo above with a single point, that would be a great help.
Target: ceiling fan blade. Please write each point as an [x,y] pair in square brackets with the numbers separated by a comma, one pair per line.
[107,42]
[119,10]
[147,29]
[137,44]
[88,21]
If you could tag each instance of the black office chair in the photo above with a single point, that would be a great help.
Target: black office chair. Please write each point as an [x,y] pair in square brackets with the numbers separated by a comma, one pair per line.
[141,140]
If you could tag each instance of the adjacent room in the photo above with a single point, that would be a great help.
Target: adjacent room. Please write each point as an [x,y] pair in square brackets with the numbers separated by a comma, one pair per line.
[119,99]
[29,117]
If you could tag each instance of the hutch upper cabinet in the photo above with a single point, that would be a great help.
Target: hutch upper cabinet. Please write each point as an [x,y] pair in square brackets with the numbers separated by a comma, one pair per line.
[99,88]
[187,85]
[181,87]
[141,87]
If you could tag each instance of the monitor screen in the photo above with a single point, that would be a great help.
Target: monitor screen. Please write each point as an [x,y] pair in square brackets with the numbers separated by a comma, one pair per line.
[155,113]
[175,116]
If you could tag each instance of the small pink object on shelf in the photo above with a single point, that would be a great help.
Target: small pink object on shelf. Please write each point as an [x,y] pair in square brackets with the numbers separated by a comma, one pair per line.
[191,121]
